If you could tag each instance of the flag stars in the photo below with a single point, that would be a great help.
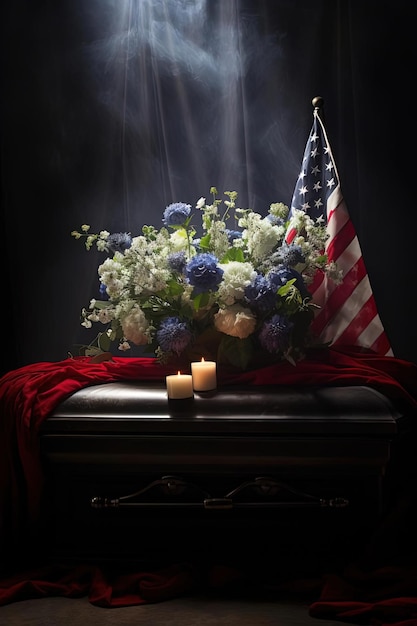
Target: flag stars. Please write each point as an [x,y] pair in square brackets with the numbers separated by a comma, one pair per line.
[330,183]
[329,166]
[314,153]
[303,190]
[317,186]
[305,206]
[301,175]
[318,203]
[315,170]
[314,137]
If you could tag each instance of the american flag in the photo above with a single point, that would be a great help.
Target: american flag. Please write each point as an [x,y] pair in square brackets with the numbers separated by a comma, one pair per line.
[348,314]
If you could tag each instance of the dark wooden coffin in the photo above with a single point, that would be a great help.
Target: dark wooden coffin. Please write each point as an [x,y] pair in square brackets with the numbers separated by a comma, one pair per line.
[254,472]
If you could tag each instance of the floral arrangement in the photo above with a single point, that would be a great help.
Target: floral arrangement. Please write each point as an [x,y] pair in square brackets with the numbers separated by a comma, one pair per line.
[235,284]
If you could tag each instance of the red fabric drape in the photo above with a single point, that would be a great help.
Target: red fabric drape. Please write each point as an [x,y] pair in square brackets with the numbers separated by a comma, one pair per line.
[29,394]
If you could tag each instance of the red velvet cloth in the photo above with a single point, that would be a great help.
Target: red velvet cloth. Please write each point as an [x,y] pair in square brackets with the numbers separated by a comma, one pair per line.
[381,596]
[29,394]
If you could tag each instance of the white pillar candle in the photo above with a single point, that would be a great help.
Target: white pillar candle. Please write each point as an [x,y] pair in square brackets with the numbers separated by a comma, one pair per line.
[204,375]
[179,386]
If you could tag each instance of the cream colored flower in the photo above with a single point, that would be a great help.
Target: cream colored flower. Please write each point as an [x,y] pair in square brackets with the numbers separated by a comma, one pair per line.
[135,327]
[236,321]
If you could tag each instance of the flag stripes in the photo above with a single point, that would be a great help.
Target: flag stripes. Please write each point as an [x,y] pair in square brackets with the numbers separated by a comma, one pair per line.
[347,314]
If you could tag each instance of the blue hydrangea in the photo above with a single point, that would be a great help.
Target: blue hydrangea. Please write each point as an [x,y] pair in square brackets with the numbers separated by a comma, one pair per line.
[259,295]
[176,214]
[275,334]
[282,275]
[275,220]
[173,335]
[177,261]
[233,234]
[291,254]
[203,273]
[119,242]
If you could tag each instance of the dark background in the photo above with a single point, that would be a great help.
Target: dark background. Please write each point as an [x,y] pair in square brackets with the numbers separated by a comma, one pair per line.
[112,110]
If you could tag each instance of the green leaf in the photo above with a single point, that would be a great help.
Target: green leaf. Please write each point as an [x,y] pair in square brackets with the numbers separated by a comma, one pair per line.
[175,288]
[102,304]
[104,342]
[237,352]
[282,291]
[234,254]
[91,350]
[201,300]
[205,242]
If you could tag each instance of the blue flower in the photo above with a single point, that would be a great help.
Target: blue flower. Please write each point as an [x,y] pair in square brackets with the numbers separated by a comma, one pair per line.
[119,242]
[173,335]
[176,214]
[291,254]
[233,234]
[103,291]
[203,273]
[282,275]
[275,334]
[197,243]
[177,261]
[275,220]
[260,295]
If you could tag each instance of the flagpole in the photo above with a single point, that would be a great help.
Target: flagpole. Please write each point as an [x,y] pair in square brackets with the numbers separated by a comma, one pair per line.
[318,104]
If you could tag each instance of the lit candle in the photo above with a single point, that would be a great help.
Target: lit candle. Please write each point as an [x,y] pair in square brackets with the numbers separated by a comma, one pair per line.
[179,386]
[204,375]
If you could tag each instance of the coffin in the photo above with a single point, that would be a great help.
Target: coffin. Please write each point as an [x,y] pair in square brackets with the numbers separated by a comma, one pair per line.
[284,474]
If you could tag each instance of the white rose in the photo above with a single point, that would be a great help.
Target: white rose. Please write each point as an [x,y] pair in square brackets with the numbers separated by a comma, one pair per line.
[236,321]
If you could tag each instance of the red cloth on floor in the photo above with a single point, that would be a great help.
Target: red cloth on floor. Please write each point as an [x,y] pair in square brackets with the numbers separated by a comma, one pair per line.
[105,588]
[29,394]
[387,595]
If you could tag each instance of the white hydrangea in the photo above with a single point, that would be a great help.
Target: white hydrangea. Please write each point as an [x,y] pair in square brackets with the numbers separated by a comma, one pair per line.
[236,277]
[261,236]
[110,273]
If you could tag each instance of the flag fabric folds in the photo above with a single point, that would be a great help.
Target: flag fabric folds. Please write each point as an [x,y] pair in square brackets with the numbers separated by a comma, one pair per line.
[347,314]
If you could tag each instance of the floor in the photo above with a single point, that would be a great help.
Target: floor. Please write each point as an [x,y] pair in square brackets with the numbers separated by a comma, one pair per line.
[189,611]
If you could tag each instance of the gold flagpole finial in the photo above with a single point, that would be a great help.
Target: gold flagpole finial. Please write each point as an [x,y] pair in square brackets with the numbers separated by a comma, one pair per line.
[317,102]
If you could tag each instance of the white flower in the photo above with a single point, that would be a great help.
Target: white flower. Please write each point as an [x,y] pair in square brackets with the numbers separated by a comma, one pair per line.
[236,277]
[218,239]
[178,240]
[261,236]
[105,316]
[236,320]
[135,326]
[151,280]
[101,245]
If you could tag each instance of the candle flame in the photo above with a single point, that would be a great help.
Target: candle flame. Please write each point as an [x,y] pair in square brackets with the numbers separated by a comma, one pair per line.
[179,373]
[202,359]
